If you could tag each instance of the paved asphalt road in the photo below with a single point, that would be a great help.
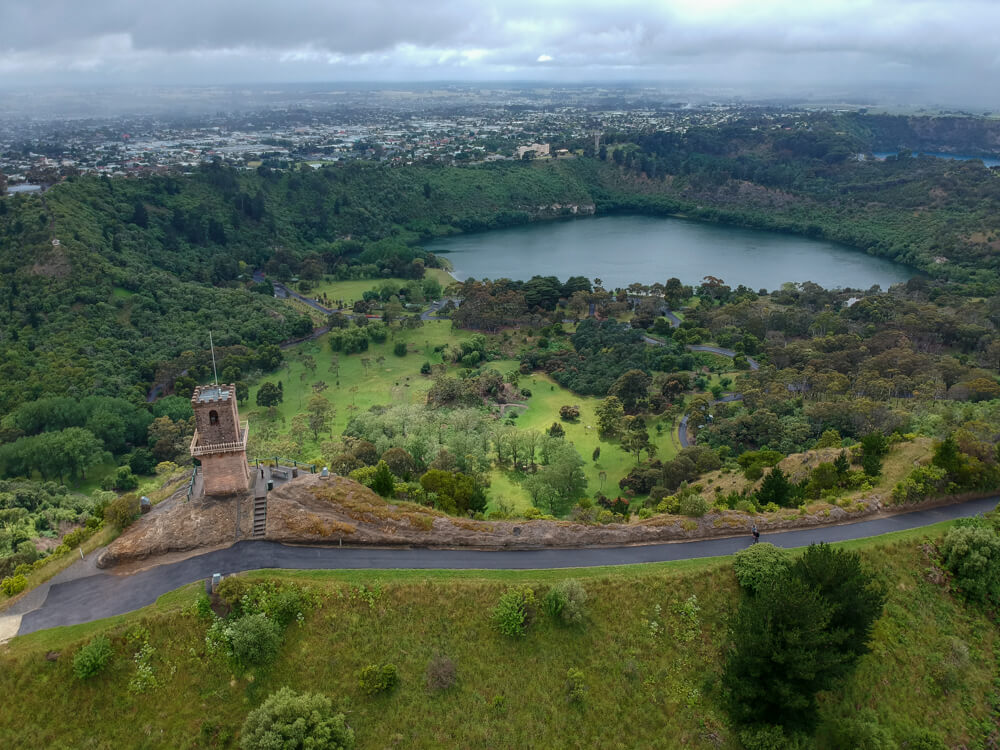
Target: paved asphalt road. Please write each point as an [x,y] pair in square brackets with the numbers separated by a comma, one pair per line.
[103,595]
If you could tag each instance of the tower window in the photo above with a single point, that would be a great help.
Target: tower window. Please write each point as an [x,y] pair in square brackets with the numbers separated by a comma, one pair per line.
[213,417]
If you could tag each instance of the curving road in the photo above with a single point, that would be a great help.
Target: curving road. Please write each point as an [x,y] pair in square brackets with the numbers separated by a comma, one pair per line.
[91,597]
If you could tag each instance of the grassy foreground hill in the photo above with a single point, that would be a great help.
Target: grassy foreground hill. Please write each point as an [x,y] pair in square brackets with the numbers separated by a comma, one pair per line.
[650,651]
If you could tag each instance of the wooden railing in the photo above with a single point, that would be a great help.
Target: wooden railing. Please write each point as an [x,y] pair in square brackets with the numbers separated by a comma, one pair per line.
[239,445]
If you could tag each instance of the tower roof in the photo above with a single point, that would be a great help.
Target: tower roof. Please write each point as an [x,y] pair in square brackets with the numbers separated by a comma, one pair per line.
[205,394]
[215,393]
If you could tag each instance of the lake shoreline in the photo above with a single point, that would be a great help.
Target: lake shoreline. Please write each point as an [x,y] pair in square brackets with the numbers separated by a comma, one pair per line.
[758,258]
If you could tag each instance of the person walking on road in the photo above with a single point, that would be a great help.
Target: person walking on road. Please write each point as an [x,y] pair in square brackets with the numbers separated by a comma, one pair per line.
[756,534]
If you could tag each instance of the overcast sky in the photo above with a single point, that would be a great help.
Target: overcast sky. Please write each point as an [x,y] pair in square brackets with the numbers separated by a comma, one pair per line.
[946,51]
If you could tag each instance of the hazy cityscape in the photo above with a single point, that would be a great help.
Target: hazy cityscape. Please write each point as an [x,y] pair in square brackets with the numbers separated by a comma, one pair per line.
[452,125]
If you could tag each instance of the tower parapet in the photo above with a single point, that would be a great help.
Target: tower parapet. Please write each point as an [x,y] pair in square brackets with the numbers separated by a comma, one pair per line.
[220,440]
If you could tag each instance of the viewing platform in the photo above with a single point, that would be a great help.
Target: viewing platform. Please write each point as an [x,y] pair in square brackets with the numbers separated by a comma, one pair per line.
[238,445]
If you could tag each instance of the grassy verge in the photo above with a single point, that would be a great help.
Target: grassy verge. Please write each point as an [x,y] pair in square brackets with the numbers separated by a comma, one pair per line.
[651,672]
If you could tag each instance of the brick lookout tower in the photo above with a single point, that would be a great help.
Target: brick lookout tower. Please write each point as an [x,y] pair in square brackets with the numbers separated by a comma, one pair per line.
[220,440]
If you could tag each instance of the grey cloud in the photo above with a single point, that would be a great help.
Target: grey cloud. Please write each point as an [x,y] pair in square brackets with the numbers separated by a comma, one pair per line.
[826,41]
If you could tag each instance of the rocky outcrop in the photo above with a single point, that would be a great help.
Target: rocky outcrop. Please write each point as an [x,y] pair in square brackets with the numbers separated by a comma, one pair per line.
[340,511]
[178,526]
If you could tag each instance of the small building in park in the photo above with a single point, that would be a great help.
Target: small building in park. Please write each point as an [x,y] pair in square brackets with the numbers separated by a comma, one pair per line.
[220,440]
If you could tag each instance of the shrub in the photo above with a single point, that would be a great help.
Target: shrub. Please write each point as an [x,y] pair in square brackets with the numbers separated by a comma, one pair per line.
[203,608]
[565,601]
[425,368]
[829,439]
[287,719]
[971,552]
[694,506]
[670,504]
[921,483]
[513,614]
[569,413]
[375,679]
[759,565]
[922,739]
[441,674]
[283,603]
[861,731]
[232,589]
[122,480]
[253,640]
[122,511]
[92,658]
[770,737]
[76,537]
[399,349]
[166,467]
[382,481]
[15,584]
[575,687]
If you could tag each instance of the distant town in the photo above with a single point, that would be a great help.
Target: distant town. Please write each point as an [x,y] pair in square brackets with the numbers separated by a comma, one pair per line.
[400,127]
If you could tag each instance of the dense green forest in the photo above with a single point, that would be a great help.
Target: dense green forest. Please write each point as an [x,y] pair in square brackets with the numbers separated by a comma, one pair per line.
[144,267]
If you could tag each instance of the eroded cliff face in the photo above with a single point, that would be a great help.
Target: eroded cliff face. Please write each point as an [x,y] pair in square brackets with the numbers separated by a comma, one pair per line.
[337,510]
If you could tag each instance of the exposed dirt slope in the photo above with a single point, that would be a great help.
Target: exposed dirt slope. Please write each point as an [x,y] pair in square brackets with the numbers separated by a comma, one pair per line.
[177,526]
[313,511]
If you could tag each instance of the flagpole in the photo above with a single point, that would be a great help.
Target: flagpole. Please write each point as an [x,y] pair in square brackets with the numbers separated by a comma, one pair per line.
[212,345]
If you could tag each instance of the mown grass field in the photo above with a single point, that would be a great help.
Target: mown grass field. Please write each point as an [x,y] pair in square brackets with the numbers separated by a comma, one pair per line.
[355,387]
[648,685]
[352,290]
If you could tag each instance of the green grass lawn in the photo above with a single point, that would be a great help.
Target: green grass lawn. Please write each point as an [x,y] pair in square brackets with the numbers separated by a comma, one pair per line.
[647,685]
[350,291]
[547,397]
[387,379]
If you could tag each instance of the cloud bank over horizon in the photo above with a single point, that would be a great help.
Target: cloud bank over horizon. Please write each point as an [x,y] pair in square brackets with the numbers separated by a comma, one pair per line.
[941,51]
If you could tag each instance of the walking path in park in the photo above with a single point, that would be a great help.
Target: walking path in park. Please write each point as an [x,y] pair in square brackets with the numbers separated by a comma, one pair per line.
[83,593]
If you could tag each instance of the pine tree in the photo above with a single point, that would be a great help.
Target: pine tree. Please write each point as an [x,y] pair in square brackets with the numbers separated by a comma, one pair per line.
[776,488]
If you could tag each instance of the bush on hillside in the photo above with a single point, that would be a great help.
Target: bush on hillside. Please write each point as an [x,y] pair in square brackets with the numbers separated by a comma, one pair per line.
[441,674]
[771,737]
[251,641]
[92,658]
[971,553]
[122,511]
[287,719]
[376,678]
[760,565]
[576,688]
[565,602]
[15,584]
[514,612]
[694,506]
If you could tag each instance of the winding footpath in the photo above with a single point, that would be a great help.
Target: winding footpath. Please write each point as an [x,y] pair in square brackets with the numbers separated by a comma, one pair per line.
[88,594]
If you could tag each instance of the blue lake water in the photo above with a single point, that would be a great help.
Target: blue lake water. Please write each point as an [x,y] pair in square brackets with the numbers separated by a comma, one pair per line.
[621,250]
[988,161]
